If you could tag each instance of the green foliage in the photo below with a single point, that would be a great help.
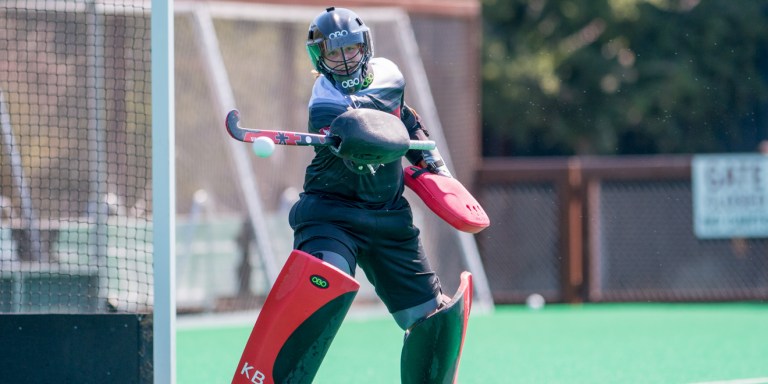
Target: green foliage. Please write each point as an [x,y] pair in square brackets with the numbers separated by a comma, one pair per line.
[624,76]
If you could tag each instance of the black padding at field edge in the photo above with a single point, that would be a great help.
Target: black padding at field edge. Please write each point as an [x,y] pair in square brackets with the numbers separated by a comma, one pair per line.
[74,348]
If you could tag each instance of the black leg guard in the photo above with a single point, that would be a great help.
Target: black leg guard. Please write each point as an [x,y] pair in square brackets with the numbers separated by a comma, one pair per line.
[432,348]
[297,323]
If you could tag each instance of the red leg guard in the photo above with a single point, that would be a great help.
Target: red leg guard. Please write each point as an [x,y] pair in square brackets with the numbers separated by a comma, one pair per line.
[432,348]
[297,323]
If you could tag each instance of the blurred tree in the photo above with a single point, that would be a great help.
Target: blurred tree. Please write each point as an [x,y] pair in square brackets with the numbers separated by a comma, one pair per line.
[624,76]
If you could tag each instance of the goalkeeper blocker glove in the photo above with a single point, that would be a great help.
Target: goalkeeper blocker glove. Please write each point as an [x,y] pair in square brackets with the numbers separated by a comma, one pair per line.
[434,163]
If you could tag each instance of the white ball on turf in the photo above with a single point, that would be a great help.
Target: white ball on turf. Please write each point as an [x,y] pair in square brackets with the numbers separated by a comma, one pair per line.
[535,301]
[263,146]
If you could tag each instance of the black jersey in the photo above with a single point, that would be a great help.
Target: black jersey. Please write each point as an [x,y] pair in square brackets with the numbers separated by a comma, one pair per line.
[327,174]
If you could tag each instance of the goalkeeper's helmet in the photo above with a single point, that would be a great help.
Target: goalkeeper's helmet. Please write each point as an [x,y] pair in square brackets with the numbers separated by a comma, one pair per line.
[339,46]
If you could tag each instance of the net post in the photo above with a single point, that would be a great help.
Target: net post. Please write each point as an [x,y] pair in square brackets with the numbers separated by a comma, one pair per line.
[164,194]
[471,254]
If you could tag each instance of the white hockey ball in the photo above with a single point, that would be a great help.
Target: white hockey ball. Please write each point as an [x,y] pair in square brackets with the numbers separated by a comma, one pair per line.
[263,146]
[535,301]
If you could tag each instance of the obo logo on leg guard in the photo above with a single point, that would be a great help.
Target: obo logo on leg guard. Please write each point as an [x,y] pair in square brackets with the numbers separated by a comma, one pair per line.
[319,281]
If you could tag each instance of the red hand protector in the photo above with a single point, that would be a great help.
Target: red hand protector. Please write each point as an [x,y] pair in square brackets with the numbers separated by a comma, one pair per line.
[448,199]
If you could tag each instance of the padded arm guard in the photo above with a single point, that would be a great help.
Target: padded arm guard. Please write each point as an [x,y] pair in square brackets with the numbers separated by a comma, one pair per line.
[447,198]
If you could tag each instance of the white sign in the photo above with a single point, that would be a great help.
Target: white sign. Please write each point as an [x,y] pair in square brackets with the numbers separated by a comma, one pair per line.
[730,195]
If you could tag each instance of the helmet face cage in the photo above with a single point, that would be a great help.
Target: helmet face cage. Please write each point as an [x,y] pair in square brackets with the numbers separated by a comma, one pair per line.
[340,64]
[335,29]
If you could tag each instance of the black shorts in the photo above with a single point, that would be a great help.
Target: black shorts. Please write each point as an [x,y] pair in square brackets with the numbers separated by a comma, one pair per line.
[384,243]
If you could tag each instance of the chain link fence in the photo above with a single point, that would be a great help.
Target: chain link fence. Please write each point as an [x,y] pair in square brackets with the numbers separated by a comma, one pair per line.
[608,229]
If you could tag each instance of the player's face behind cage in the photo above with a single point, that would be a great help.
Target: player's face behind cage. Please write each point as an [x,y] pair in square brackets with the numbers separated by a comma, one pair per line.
[345,60]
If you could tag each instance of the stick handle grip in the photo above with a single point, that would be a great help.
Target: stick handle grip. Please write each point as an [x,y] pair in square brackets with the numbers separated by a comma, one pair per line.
[424,145]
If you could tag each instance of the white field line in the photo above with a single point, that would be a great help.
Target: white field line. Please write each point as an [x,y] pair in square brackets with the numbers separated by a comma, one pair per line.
[358,312]
[756,380]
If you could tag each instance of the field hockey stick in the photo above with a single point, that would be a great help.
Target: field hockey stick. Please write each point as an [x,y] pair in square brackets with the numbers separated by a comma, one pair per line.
[248,135]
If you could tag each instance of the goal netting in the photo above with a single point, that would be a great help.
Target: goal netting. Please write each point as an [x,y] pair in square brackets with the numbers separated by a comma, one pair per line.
[76,166]
[75,163]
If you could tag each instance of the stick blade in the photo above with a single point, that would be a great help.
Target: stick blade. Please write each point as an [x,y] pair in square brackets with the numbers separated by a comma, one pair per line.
[232,122]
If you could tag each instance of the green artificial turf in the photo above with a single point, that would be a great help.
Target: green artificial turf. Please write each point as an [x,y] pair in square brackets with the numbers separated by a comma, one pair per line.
[590,343]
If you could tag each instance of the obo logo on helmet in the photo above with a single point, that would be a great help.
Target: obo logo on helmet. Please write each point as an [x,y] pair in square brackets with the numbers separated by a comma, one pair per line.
[338,34]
